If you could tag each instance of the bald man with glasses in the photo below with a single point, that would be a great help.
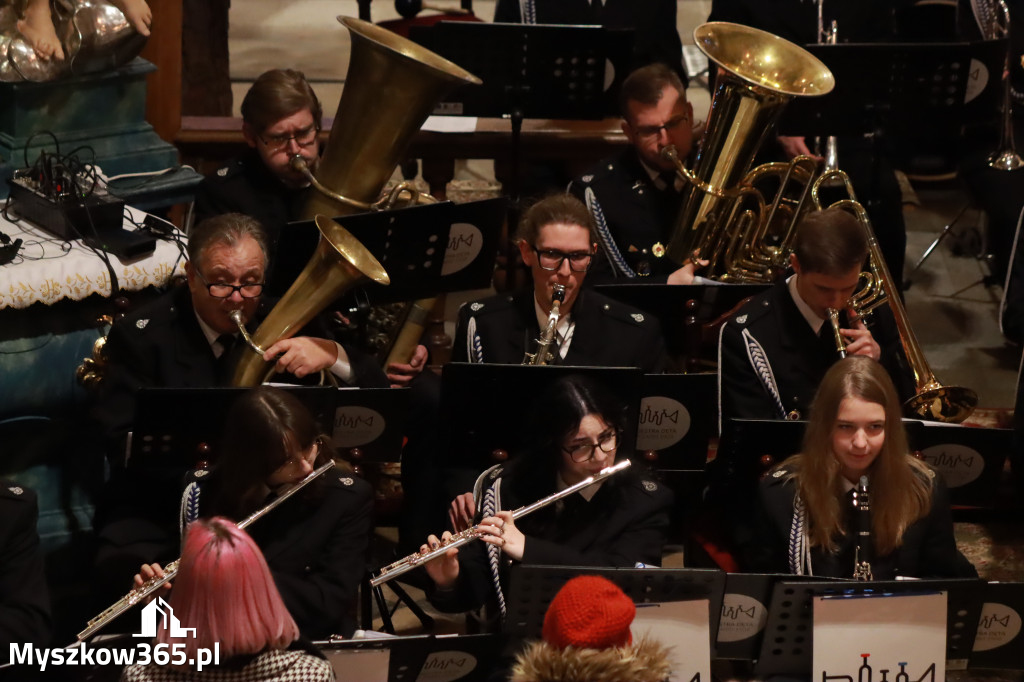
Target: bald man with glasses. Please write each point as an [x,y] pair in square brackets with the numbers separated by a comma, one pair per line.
[635,196]
[556,243]
[281,117]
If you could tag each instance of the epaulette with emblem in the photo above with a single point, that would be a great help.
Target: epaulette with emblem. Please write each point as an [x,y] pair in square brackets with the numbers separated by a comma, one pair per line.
[648,485]
[15,492]
[632,316]
[489,305]
[779,473]
[346,480]
[751,312]
[229,170]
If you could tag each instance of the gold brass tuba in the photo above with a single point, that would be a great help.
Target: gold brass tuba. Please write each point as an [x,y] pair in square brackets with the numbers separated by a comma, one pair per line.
[758,74]
[391,87]
[932,400]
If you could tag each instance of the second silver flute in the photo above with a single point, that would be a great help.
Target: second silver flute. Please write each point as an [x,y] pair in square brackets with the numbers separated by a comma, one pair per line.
[416,559]
[171,569]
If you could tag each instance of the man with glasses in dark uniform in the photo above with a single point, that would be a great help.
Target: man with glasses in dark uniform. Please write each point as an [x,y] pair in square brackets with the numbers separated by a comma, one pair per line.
[556,241]
[184,339]
[280,119]
[635,195]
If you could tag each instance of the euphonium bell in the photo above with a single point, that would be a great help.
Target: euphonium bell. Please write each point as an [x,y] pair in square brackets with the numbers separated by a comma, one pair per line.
[758,73]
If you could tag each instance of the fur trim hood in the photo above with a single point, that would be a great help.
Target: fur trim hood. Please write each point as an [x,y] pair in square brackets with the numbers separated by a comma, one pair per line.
[643,661]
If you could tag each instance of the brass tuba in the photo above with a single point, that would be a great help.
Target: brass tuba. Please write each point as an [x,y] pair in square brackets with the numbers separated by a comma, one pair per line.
[391,87]
[758,74]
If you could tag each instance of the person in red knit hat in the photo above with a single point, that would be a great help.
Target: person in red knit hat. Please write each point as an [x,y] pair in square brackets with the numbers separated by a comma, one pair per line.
[587,639]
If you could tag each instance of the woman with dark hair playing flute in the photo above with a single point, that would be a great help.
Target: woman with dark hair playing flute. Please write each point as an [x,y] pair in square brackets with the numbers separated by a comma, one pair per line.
[574,433]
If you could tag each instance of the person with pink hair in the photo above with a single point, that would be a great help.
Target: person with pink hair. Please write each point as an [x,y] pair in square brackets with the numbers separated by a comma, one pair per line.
[225,591]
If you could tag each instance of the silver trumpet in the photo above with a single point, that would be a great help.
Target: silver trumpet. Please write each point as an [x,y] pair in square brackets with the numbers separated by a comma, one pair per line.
[139,593]
[415,559]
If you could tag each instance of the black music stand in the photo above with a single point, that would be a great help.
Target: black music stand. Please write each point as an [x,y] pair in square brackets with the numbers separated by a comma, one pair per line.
[484,406]
[426,249]
[177,427]
[789,634]
[969,458]
[468,658]
[677,420]
[745,613]
[999,638]
[682,311]
[531,589]
[368,424]
[528,71]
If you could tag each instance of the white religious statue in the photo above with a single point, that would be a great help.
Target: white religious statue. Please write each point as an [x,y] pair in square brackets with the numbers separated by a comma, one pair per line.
[45,40]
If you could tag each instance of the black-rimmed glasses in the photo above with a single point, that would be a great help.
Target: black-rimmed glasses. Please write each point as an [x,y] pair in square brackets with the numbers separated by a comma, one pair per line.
[224,290]
[303,138]
[551,259]
[648,132]
[584,451]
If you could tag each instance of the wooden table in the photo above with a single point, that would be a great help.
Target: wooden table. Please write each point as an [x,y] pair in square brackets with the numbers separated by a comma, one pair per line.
[206,142]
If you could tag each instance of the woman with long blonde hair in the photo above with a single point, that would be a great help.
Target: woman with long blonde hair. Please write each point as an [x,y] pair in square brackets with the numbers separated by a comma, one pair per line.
[807,525]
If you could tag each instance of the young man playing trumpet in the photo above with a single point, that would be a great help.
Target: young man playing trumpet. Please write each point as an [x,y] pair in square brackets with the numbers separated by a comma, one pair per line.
[774,351]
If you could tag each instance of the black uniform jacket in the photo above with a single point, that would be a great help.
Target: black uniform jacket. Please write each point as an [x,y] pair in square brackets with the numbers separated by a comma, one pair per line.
[162,345]
[315,544]
[624,523]
[656,38]
[24,599]
[768,341]
[608,333]
[638,216]
[245,185]
[928,550]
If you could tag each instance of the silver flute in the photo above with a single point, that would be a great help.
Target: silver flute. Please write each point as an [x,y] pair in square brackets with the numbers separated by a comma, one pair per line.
[415,559]
[170,570]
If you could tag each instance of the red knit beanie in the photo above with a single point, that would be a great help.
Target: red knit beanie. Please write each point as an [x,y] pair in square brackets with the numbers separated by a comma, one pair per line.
[589,612]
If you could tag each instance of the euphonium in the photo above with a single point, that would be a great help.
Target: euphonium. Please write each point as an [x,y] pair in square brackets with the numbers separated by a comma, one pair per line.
[391,87]
[758,73]
[862,518]
[543,354]
[932,400]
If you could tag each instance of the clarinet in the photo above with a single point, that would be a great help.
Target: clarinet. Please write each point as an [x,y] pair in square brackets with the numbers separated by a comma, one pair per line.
[862,514]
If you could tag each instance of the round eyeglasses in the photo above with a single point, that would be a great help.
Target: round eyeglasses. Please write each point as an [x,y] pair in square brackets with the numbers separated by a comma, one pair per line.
[584,451]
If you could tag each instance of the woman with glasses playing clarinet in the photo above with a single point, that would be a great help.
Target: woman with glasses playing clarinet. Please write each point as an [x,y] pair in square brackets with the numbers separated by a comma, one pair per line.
[573,433]
[855,503]
[315,542]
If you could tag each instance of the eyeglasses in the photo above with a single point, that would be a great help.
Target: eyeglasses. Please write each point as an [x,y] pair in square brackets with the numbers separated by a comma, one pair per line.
[584,451]
[303,138]
[550,259]
[649,132]
[225,290]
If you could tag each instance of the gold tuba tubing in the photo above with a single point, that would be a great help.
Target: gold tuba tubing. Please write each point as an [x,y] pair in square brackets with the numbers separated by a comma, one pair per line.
[339,263]
[758,73]
[391,87]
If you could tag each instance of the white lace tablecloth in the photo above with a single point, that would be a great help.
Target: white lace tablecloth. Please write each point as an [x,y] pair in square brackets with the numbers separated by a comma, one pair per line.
[43,273]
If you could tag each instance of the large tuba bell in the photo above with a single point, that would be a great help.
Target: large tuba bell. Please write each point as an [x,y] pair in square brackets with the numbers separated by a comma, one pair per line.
[392,86]
[758,74]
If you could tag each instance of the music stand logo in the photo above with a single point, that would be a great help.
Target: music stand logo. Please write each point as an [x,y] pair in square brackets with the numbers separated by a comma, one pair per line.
[157,615]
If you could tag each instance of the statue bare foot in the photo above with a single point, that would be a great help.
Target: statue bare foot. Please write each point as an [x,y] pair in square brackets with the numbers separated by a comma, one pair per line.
[37,28]
[137,12]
